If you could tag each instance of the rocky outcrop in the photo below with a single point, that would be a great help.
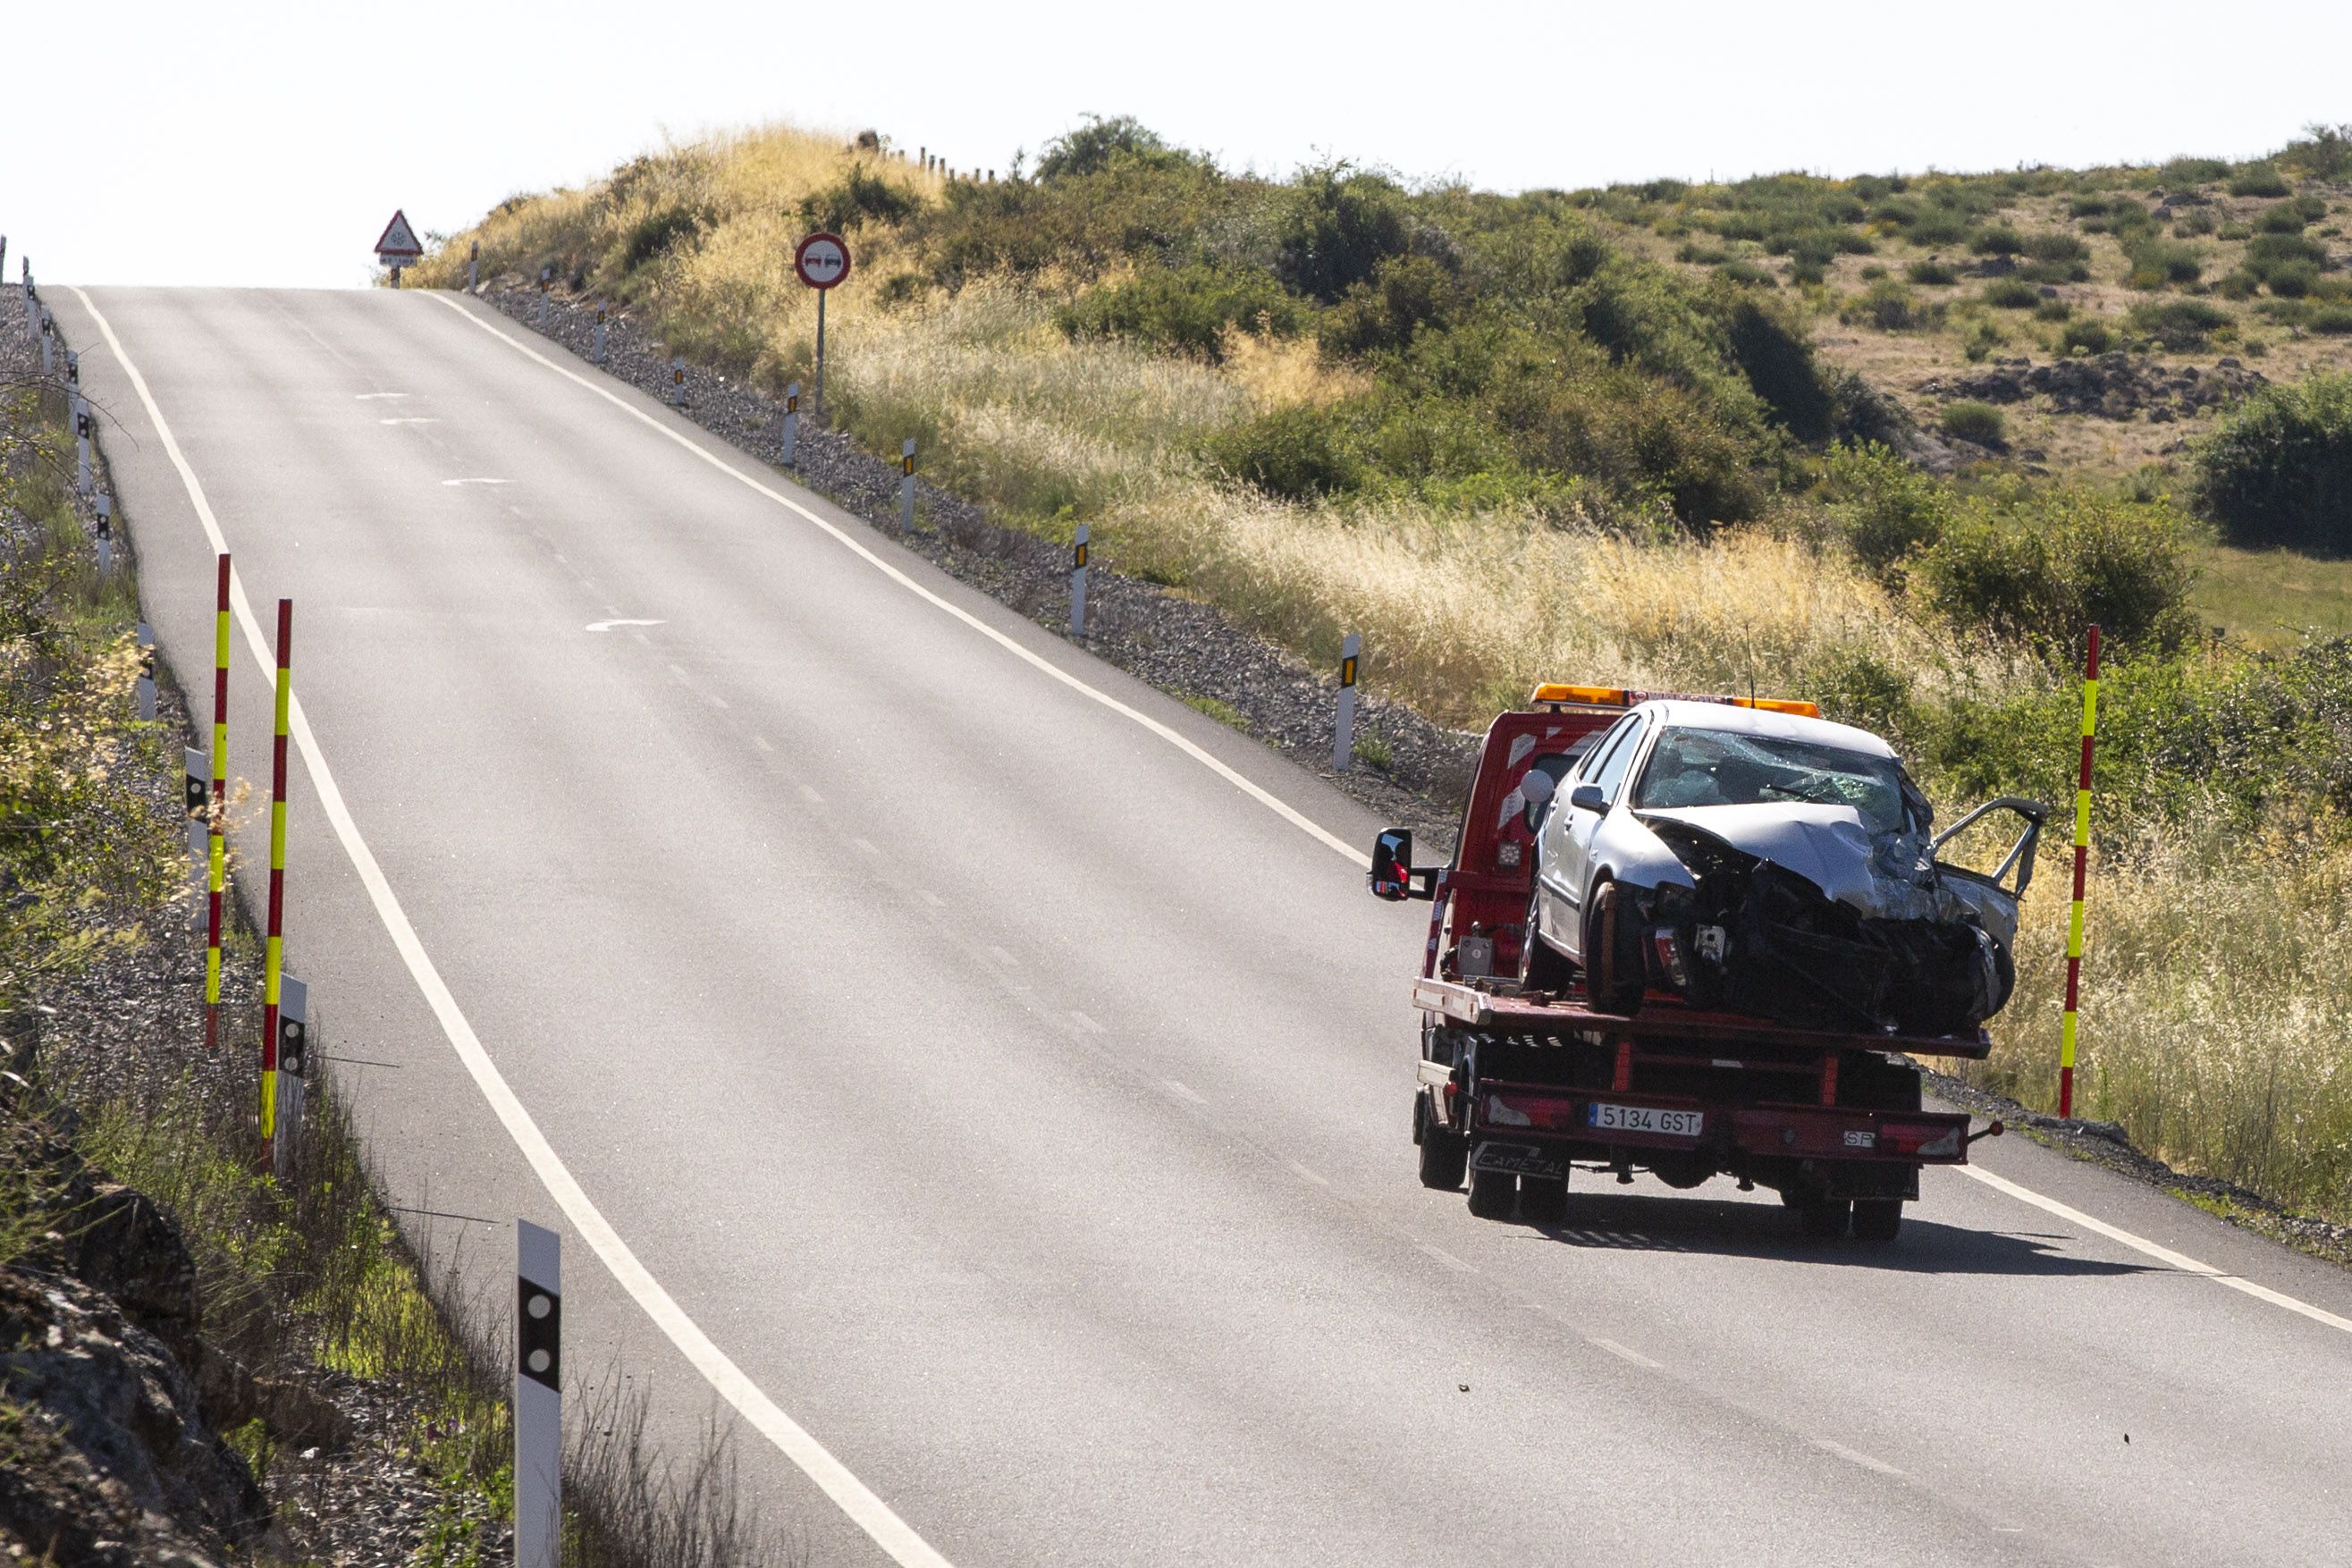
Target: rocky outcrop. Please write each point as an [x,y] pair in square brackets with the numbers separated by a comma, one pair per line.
[110,1459]
[2116,385]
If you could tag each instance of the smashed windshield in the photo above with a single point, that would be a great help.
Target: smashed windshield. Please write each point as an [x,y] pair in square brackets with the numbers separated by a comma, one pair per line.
[1717,767]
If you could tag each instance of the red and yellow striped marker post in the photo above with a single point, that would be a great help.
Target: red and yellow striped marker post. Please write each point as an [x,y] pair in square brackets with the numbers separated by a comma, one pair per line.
[273,950]
[2081,861]
[216,824]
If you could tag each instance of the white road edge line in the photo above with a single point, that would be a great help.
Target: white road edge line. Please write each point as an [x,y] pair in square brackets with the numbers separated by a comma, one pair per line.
[1624,1353]
[1264,798]
[869,1512]
[1278,806]
[1856,1456]
[2162,1254]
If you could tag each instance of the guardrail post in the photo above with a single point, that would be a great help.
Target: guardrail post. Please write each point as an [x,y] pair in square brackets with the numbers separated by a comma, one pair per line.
[906,486]
[537,1397]
[1078,582]
[791,422]
[474,267]
[1343,735]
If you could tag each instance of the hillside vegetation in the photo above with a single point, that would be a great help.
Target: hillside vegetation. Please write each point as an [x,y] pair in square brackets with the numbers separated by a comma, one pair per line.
[1670,435]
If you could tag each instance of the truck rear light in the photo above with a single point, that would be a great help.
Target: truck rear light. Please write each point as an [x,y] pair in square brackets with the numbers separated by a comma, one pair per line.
[1529,1110]
[1910,1138]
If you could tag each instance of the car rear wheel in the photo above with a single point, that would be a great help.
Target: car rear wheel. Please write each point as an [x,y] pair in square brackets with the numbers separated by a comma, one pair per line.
[1877,1219]
[1542,967]
[1491,1192]
[1612,953]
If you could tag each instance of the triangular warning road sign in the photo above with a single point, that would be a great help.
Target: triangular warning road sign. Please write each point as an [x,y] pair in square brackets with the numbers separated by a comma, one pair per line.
[398,238]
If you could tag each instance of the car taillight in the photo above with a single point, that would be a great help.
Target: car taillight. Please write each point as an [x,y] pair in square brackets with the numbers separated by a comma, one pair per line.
[1504,1111]
[1670,957]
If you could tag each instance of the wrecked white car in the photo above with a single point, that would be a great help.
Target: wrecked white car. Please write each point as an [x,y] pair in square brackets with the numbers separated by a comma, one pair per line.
[1771,865]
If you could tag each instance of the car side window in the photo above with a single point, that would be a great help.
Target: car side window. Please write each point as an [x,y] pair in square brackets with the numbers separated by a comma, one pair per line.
[1619,758]
[1597,756]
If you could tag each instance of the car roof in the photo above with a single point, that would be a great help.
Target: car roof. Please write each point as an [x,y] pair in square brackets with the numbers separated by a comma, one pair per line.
[1723,716]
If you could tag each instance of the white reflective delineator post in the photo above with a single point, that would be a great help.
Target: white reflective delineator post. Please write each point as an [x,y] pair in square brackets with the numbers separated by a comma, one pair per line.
[105,533]
[49,361]
[546,275]
[906,486]
[474,267]
[1078,582]
[792,421]
[598,354]
[293,1067]
[81,443]
[537,1397]
[198,798]
[146,687]
[1343,736]
[677,380]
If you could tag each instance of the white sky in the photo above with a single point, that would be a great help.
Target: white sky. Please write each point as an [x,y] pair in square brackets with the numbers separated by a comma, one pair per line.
[259,143]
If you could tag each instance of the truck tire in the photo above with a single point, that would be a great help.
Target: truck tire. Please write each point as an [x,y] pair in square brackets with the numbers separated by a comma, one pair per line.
[1491,1192]
[1543,1202]
[1824,1218]
[1444,1153]
[1614,972]
[1877,1220]
[1541,966]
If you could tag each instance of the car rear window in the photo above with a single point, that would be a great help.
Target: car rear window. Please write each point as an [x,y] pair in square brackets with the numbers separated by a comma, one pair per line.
[1718,767]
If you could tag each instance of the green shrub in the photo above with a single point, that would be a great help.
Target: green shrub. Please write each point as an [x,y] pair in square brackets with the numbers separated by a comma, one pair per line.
[1998,239]
[2180,325]
[2323,153]
[859,196]
[2086,206]
[1405,293]
[1773,350]
[2292,280]
[2179,172]
[2336,320]
[1297,454]
[1981,337]
[2090,337]
[1883,508]
[1747,274]
[1978,423]
[1102,144]
[1695,254]
[2195,222]
[2056,246]
[1935,228]
[1933,271]
[2278,470]
[2052,311]
[2266,253]
[1341,226]
[1892,308]
[2257,180]
[2238,285]
[2237,231]
[2157,262]
[2055,272]
[2036,566]
[2286,218]
[2011,294]
[1187,310]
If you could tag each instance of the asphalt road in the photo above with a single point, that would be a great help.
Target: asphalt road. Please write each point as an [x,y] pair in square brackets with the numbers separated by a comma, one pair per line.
[1018,1101]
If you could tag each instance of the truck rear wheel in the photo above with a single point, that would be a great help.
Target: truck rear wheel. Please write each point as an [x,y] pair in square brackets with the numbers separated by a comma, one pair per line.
[1491,1192]
[1444,1153]
[1824,1218]
[1877,1219]
[1541,1200]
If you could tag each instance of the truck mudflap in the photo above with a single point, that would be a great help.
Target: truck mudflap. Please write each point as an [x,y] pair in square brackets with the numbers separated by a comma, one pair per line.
[1541,1116]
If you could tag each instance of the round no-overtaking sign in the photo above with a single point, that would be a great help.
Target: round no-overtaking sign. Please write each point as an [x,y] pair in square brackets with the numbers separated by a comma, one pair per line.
[822,260]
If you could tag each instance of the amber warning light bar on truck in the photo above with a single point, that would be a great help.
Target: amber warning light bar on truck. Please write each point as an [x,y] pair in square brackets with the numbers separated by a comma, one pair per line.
[1551,695]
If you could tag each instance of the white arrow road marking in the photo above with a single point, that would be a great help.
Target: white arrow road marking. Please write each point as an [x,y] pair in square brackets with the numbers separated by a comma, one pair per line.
[870,1513]
[1264,797]
[608,625]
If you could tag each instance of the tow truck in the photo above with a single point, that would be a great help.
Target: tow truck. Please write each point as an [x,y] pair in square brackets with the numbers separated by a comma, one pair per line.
[1516,1088]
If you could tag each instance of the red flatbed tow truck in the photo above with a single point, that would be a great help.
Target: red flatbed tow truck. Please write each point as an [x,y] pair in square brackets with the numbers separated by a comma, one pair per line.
[1515,1089]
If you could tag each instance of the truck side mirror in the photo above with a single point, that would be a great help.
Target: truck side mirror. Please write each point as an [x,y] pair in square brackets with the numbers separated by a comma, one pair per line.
[1392,865]
[1588,797]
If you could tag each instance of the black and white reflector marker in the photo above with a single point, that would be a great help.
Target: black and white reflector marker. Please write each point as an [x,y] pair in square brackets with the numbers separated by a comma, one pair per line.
[539,1400]
[293,1068]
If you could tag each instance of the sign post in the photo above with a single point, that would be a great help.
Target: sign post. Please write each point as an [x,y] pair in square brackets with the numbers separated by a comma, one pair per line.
[822,261]
[396,247]
[537,1397]
[273,942]
[215,817]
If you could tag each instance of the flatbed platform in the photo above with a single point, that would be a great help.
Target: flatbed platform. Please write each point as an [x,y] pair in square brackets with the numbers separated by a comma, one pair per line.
[1564,1013]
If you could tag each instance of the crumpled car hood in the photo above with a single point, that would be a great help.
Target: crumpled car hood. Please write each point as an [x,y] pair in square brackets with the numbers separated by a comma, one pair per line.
[1891,876]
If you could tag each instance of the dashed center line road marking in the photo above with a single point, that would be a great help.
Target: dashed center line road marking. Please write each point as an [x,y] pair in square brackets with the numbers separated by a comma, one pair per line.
[608,625]
[1002,957]
[811,795]
[1856,1457]
[453,483]
[866,845]
[931,897]
[894,1535]
[1625,1353]
[378,396]
[1190,1096]
[1083,1022]
[1258,792]
[1307,1175]
[1447,1257]
[763,742]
